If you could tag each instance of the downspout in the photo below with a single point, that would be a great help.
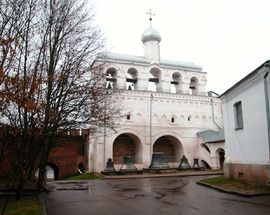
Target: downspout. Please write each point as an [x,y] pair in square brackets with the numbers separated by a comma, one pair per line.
[151,101]
[213,115]
[267,105]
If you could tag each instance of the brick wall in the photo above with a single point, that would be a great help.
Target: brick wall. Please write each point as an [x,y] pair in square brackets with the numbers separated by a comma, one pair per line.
[67,155]
[122,146]
[64,158]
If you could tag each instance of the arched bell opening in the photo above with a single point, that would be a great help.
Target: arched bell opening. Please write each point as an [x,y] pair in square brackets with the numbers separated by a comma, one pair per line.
[220,154]
[52,172]
[154,80]
[193,86]
[131,80]
[171,147]
[127,144]
[111,78]
[176,83]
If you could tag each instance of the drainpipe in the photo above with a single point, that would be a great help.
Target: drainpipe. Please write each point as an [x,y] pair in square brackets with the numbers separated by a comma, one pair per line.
[213,114]
[267,103]
[104,131]
[151,101]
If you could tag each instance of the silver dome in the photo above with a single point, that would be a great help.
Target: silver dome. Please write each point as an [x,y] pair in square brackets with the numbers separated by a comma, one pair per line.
[150,34]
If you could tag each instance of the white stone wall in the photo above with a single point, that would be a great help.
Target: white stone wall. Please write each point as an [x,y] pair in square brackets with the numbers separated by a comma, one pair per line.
[250,144]
[198,109]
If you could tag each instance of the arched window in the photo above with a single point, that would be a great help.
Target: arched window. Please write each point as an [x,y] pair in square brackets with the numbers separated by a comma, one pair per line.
[131,79]
[154,80]
[128,117]
[172,120]
[111,78]
[176,83]
[193,86]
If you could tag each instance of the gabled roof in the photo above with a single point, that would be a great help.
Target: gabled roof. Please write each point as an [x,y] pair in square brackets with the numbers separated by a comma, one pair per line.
[212,136]
[142,60]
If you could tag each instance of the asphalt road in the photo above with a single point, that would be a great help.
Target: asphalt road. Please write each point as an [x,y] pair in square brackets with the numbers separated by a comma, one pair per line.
[173,195]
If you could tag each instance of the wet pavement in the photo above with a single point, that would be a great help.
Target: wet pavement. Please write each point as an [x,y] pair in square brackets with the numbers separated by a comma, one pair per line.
[173,195]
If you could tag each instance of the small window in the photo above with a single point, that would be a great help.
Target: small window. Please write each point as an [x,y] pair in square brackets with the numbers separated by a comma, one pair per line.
[238,114]
[189,118]
[128,117]
[172,120]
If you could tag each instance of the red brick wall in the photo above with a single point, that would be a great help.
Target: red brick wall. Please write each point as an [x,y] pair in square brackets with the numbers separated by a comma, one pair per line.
[64,157]
[67,155]
[122,146]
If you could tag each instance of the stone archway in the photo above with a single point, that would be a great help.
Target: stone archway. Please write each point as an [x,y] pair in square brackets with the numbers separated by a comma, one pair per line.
[220,153]
[171,146]
[127,144]
[52,172]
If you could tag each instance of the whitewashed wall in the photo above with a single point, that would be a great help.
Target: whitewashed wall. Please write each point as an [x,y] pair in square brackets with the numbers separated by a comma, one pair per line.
[250,144]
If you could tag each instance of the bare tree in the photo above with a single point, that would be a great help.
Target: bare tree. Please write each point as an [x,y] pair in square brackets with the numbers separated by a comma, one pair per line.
[48,85]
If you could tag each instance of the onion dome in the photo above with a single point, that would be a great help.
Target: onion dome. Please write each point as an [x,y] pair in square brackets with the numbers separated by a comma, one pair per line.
[150,34]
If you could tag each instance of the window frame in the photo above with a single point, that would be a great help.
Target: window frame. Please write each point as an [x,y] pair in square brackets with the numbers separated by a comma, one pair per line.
[238,115]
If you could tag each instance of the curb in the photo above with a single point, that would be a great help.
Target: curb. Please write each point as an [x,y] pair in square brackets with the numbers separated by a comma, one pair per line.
[231,191]
[181,174]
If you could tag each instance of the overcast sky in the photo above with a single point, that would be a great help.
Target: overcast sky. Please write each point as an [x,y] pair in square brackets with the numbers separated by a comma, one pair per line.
[228,38]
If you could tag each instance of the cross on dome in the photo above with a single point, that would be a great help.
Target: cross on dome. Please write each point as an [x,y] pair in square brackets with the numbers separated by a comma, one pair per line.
[151,14]
[150,34]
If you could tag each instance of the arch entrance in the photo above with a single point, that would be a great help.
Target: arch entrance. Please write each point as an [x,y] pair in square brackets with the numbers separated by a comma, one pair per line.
[51,173]
[171,147]
[221,157]
[127,144]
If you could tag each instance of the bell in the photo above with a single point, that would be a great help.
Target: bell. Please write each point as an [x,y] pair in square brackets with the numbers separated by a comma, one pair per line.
[128,164]
[158,161]
[184,163]
[196,164]
[109,166]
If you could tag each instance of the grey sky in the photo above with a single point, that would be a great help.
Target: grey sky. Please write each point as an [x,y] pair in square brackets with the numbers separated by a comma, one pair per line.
[228,38]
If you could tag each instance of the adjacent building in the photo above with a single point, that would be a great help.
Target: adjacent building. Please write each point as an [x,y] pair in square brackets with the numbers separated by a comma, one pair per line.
[246,126]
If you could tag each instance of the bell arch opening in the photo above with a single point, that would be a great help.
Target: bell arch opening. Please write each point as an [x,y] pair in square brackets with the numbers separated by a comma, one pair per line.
[193,86]
[176,83]
[154,80]
[171,147]
[131,80]
[127,144]
[111,78]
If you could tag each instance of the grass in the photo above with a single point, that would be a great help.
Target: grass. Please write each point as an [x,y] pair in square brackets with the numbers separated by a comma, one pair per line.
[25,206]
[218,180]
[236,185]
[85,176]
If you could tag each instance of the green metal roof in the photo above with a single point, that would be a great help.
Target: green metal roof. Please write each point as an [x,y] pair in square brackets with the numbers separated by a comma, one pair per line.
[212,136]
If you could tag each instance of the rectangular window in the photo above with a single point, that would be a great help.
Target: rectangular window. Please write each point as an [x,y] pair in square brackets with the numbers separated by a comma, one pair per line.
[238,114]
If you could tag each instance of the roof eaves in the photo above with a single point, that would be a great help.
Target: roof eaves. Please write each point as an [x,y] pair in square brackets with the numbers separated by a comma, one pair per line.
[244,79]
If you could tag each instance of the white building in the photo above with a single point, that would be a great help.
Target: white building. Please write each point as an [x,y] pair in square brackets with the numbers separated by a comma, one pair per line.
[165,106]
[246,125]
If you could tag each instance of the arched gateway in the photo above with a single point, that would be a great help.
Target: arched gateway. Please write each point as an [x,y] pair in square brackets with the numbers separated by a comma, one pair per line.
[171,146]
[127,144]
